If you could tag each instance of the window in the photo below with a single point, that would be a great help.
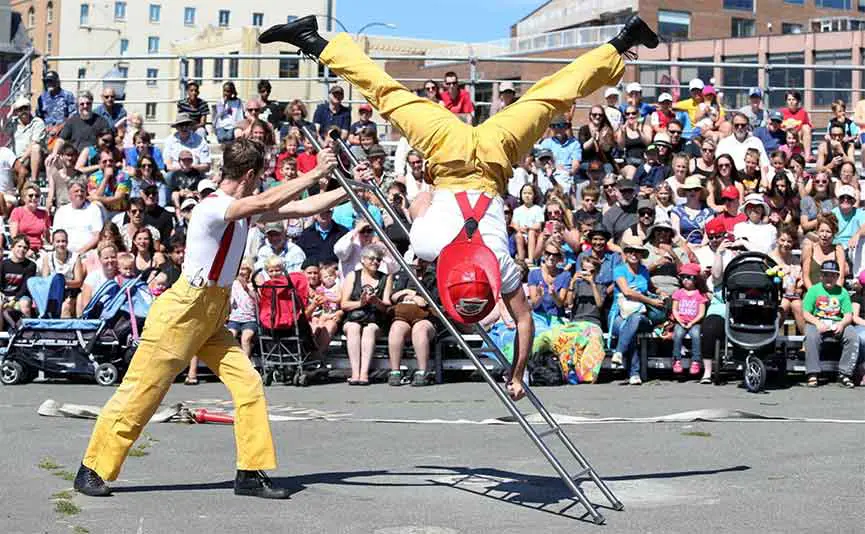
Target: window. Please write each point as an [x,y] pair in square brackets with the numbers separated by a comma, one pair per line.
[155,12]
[258,19]
[233,65]
[150,111]
[789,27]
[31,17]
[119,10]
[652,76]
[833,4]
[84,15]
[290,66]
[686,74]
[198,68]
[797,2]
[151,77]
[123,72]
[743,77]
[82,73]
[784,78]
[860,6]
[742,5]
[224,18]
[49,42]
[124,46]
[49,13]
[742,28]
[189,16]
[153,45]
[828,79]
[217,70]
[674,25]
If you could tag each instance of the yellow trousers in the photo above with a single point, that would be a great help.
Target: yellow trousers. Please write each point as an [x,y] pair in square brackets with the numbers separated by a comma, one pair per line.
[462,157]
[183,322]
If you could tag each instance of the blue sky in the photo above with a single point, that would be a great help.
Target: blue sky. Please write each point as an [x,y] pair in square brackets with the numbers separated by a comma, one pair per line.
[449,20]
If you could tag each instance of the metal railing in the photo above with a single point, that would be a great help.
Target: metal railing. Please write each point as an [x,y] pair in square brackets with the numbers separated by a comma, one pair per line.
[18,78]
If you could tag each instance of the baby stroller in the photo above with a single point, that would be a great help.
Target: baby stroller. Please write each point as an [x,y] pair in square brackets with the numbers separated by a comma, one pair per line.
[285,337]
[99,344]
[753,298]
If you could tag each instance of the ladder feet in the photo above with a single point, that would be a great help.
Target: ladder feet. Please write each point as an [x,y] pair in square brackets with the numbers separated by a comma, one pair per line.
[618,506]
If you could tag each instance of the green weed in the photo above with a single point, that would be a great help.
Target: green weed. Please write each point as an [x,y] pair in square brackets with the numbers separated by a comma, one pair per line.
[697,434]
[66,507]
[49,464]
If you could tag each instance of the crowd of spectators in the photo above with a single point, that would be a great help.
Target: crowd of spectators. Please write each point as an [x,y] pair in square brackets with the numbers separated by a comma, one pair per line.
[622,218]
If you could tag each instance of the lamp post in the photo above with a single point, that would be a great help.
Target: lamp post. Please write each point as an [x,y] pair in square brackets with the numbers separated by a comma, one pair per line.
[358,35]
[330,17]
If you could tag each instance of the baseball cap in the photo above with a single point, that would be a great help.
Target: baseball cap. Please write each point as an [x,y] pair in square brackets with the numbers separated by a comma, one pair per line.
[559,121]
[755,91]
[755,199]
[21,102]
[634,87]
[365,107]
[205,185]
[695,84]
[715,226]
[665,97]
[507,86]
[730,192]
[469,280]
[611,91]
[846,191]
[150,188]
[376,151]
[663,138]
[274,227]
[188,203]
[544,153]
[776,116]
[691,269]
[830,266]
[709,90]
[625,183]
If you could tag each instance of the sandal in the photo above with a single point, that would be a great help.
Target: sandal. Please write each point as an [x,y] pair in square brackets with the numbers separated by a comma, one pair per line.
[190,381]
[846,382]
[812,382]
[706,380]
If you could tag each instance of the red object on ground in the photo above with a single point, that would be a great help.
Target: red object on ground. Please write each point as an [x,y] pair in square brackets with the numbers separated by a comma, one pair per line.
[203,416]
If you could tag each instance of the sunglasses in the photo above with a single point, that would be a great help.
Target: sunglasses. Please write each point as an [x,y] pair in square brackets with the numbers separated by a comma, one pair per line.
[430,88]
[373,259]
[559,125]
[630,114]
[709,150]
[553,254]
[739,126]
[146,166]
[687,277]
[675,132]
[596,115]
[366,231]
[716,236]
[724,165]
[647,214]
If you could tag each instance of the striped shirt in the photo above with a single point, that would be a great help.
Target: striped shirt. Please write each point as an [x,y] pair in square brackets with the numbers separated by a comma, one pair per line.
[195,111]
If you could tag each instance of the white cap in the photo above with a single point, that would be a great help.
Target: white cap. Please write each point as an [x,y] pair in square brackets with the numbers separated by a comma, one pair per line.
[633,87]
[696,83]
[846,191]
[665,97]
[188,203]
[20,102]
[756,199]
[206,184]
[611,91]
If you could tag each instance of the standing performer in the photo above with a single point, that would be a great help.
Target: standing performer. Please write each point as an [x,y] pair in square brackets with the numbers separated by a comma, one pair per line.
[189,320]
[475,160]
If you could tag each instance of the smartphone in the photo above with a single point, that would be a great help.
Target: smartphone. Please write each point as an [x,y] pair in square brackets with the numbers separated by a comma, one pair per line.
[548,228]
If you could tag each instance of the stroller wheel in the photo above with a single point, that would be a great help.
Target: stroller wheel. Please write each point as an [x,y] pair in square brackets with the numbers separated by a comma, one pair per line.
[11,373]
[267,377]
[717,364]
[107,374]
[301,379]
[755,374]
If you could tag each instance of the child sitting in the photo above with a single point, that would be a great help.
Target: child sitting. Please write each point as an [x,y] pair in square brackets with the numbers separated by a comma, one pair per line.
[125,267]
[689,307]
[589,197]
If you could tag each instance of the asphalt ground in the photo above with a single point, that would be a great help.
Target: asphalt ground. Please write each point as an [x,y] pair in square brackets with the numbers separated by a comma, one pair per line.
[349,473]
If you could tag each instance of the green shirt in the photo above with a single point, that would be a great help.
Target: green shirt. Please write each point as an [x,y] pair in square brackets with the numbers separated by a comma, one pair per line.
[831,305]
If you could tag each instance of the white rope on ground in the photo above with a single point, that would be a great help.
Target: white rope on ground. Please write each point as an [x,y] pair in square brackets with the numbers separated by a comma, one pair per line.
[174,413]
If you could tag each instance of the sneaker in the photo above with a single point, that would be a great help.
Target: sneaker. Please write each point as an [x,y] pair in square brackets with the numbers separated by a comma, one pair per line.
[394,378]
[694,369]
[634,381]
[846,382]
[616,358]
[420,379]
[677,367]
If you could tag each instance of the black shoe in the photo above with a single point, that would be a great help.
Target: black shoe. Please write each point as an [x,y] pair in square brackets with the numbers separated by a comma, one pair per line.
[302,33]
[88,482]
[257,484]
[635,33]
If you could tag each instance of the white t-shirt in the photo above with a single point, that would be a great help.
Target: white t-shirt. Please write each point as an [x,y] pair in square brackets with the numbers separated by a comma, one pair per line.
[736,150]
[196,144]
[524,216]
[292,255]
[761,237]
[7,181]
[55,266]
[95,279]
[80,224]
[206,242]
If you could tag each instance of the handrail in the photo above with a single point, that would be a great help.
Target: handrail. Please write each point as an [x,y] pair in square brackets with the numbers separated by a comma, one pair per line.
[28,56]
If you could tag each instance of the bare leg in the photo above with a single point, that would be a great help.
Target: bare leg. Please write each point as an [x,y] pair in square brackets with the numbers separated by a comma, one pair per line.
[422,335]
[192,373]
[396,343]
[806,140]
[518,307]
[246,338]
[533,240]
[352,346]
[521,246]
[35,162]
[367,349]
[798,316]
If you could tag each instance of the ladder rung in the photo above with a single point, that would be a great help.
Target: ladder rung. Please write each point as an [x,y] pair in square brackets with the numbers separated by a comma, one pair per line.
[581,473]
[546,433]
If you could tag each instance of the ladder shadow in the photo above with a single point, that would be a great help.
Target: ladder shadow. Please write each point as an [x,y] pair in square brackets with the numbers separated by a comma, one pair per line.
[542,493]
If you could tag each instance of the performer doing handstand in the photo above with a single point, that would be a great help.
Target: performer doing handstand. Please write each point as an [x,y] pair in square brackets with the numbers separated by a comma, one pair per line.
[473,160]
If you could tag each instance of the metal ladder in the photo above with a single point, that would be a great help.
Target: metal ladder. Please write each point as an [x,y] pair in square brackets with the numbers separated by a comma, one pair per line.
[550,427]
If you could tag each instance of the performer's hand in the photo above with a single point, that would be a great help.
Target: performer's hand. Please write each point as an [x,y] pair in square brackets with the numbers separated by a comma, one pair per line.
[515,389]
[326,161]
[363,172]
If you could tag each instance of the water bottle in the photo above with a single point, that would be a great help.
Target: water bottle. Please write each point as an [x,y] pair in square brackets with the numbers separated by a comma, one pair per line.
[572,374]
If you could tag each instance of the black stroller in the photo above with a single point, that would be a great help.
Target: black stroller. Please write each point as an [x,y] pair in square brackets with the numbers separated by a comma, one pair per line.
[753,298]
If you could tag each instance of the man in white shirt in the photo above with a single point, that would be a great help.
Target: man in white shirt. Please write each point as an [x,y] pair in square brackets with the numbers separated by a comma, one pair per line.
[737,144]
[28,140]
[278,245]
[8,185]
[81,219]
[188,319]
[186,139]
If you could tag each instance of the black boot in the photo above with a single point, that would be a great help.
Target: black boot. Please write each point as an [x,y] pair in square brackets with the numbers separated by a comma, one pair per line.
[88,482]
[302,33]
[635,33]
[257,484]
